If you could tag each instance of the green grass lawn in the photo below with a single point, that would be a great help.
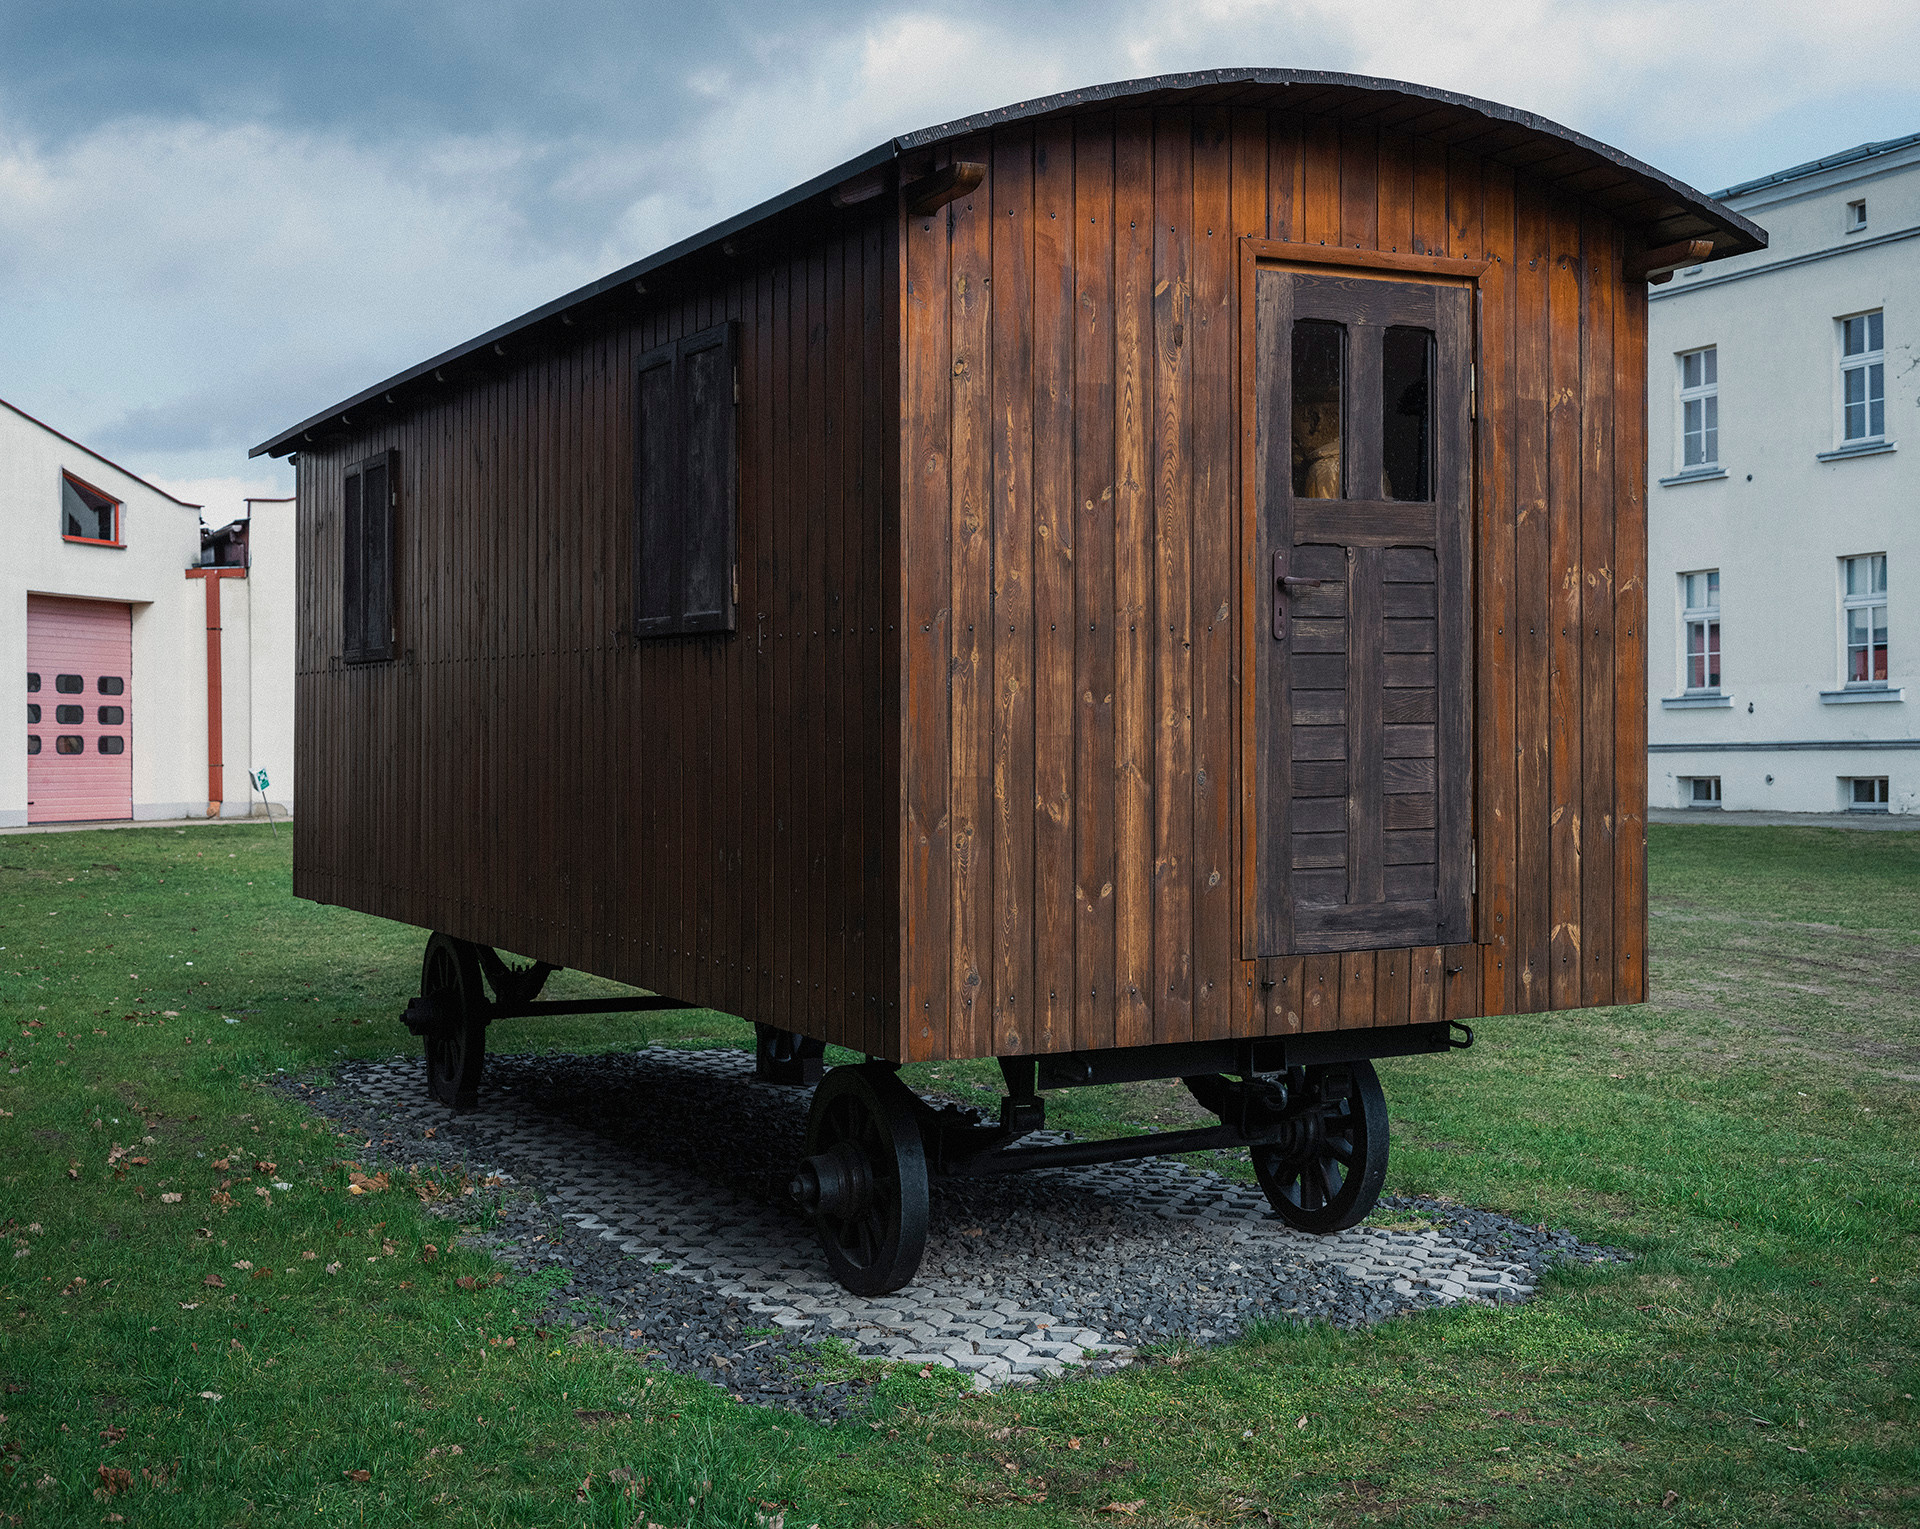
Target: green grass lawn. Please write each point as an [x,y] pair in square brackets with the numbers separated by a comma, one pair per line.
[296,1356]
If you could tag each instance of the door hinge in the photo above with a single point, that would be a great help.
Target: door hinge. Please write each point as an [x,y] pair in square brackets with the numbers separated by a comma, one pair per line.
[1473,868]
[736,387]
[736,583]
[1473,391]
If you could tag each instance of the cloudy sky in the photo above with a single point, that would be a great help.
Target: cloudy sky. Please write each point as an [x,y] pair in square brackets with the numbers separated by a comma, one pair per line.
[218,218]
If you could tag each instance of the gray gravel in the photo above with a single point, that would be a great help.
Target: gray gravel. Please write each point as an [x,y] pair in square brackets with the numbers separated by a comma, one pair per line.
[656,1181]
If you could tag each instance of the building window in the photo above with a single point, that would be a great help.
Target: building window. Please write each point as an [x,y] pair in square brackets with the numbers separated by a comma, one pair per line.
[1866,793]
[1700,621]
[69,743]
[33,682]
[1700,791]
[86,514]
[1856,216]
[69,684]
[112,716]
[33,743]
[111,743]
[1700,408]
[1863,378]
[33,712]
[1864,603]
[370,492]
[686,490]
[69,716]
[111,684]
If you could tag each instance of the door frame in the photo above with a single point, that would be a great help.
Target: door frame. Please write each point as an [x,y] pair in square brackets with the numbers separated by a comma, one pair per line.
[1257,255]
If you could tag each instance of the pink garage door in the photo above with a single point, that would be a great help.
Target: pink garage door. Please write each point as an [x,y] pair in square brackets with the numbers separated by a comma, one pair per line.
[79,710]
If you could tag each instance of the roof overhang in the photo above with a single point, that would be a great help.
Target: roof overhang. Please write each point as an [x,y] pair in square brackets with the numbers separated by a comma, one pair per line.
[1660,209]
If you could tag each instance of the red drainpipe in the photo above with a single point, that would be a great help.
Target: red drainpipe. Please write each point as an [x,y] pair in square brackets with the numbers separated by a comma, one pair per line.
[216,763]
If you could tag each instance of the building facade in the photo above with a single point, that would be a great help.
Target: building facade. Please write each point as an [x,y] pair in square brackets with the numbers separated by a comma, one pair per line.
[1784,523]
[153,659]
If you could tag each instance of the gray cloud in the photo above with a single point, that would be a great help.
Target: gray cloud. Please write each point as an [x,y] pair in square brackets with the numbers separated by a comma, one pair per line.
[217,219]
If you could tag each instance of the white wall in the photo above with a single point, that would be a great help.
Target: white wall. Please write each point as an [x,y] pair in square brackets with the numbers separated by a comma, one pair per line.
[161,539]
[269,740]
[1779,520]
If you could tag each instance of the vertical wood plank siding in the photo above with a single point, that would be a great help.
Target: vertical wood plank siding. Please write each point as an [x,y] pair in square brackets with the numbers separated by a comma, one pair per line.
[1114,619]
[971,778]
[706,816]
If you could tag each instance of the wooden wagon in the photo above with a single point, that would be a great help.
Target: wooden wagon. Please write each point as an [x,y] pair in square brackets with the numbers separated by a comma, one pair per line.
[1145,583]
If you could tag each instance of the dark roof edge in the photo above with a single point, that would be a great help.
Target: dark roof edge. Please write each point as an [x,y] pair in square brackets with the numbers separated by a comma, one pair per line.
[288,440]
[925,138]
[1854,155]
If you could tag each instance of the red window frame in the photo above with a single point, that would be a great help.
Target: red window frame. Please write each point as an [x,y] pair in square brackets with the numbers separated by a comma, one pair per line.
[118,506]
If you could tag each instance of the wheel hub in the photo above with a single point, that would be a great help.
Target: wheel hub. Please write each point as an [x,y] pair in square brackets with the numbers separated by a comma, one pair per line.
[835,1183]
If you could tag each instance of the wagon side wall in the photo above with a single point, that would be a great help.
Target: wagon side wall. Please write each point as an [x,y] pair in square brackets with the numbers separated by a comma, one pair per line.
[1078,828]
[709,816]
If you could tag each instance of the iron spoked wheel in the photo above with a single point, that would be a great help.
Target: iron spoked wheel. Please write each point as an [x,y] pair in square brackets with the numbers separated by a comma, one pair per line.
[1335,1182]
[864,1178]
[456,1047]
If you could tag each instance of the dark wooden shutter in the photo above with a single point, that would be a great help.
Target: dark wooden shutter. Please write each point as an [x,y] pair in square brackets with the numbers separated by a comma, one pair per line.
[685,485]
[1363,685]
[353,617]
[367,574]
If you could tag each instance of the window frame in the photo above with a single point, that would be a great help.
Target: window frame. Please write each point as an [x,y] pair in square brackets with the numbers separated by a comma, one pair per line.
[118,506]
[1871,362]
[661,524]
[1872,599]
[1692,799]
[1707,616]
[1706,393]
[355,647]
[1880,790]
[1856,215]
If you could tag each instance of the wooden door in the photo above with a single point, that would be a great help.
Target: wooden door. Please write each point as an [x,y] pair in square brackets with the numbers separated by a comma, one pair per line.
[79,710]
[1362,675]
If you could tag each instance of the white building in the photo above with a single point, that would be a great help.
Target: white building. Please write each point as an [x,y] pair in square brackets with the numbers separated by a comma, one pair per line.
[155,659]
[1784,519]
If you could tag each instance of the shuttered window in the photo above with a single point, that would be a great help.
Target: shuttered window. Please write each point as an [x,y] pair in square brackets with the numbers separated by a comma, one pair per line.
[685,486]
[367,575]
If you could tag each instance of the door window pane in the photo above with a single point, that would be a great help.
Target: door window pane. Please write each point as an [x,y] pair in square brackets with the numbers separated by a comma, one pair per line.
[33,683]
[69,684]
[1319,398]
[1406,413]
[69,716]
[112,684]
[33,743]
[33,712]
[69,743]
[112,743]
[112,716]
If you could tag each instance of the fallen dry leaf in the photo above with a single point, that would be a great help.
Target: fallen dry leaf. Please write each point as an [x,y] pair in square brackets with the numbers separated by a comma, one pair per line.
[212,1396]
[222,1163]
[466,1282]
[309,1255]
[243,1263]
[113,1435]
[215,1281]
[171,1197]
[115,1479]
[264,1167]
[189,1305]
[429,1253]
[358,1475]
[1073,1444]
[1670,1499]
[333,1268]
[1125,1507]
[1303,1421]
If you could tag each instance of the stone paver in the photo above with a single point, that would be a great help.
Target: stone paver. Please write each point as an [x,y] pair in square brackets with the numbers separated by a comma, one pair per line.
[713,1235]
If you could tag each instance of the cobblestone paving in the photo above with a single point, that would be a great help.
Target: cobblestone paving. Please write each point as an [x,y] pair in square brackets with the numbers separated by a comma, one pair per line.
[679,1159]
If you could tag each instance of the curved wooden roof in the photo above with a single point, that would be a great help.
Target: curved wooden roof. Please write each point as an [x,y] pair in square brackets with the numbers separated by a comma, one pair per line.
[1659,208]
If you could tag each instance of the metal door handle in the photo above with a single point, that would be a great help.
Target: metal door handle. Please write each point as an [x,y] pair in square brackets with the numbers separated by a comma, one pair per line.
[1285,584]
[1290,584]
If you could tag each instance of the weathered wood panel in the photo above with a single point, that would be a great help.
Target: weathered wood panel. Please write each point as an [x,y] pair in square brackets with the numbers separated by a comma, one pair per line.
[971,776]
[1116,327]
[709,816]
